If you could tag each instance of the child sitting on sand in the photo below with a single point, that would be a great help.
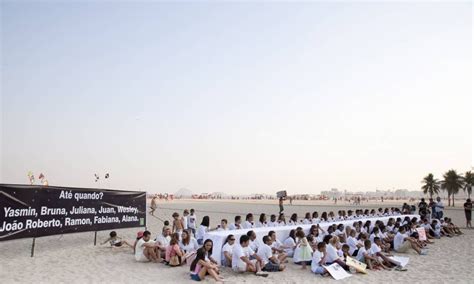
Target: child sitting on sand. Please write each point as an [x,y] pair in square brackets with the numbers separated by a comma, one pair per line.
[319,259]
[116,241]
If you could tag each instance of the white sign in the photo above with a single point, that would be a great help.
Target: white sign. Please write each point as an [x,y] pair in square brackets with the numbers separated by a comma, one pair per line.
[337,271]
[400,260]
[421,234]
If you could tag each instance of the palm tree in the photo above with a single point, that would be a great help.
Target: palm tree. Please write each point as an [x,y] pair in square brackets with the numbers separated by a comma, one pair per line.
[430,185]
[469,183]
[452,183]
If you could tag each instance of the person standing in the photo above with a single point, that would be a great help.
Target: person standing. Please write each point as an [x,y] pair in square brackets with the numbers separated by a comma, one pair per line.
[439,208]
[192,219]
[422,209]
[468,212]
[280,203]
[153,206]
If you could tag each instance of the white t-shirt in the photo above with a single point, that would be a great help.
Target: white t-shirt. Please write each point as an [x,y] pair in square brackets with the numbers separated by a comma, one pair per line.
[317,256]
[185,222]
[398,240]
[290,244]
[233,226]
[331,253]
[439,209]
[374,249]
[164,241]
[258,224]
[192,246]
[192,221]
[237,252]
[253,245]
[273,224]
[201,232]
[265,252]
[352,243]
[140,247]
[247,225]
[292,223]
[276,244]
[360,254]
[316,221]
[306,221]
[227,248]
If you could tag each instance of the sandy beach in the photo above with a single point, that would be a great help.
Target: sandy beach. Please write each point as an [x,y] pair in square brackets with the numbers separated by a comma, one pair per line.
[73,258]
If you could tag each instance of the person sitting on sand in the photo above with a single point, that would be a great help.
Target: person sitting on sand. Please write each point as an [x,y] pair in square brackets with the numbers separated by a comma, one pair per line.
[377,250]
[116,241]
[223,226]
[273,221]
[353,243]
[236,225]
[402,242]
[200,268]
[290,243]
[253,244]
[241,258]
[248,224]
[366,255]
[332,253]
[174,256]
[281,220]
[163,240]
[146,249]
[208,245]
[188,244]
[451,226]
[277,247]
[192,221]
[262,221]
[139,236]
[270,261]
[227,251]
[178,225]
[319,259]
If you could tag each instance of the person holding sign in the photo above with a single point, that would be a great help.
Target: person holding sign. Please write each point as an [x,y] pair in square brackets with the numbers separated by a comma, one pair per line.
[319,259]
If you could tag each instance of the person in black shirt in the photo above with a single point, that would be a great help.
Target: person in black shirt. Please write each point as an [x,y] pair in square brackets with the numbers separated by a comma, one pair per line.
[468,212]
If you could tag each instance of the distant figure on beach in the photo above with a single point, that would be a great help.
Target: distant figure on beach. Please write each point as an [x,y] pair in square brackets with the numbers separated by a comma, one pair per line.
[291,200]
[153,206]
[439,208]
[468,212]
[280,203]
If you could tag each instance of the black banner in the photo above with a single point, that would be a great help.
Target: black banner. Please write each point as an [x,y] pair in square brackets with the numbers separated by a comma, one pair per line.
[35,211]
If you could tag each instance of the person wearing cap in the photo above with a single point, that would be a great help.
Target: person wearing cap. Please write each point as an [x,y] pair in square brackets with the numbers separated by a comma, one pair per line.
[139,236]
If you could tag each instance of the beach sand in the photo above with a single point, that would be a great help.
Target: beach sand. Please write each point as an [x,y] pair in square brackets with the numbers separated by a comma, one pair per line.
[73,258]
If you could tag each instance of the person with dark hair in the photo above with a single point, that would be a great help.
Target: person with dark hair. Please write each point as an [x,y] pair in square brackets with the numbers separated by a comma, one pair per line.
[248,224]
[241,261]
[293,220]
[402,242]
[236,225]
[307,218]
[290,243]
[200,267]
[163,240]
[174,256]
[223,225]
[270,262]
[277,247]
[208,244]
[192,220]
[227,251]
[280,203]
[324,217]
[146,250]
[262,221]
[253,244]
[116,241]
[319,259]
[281,220]
[273,221]
[203,229]
[315,218]
[468,212]
[188,244]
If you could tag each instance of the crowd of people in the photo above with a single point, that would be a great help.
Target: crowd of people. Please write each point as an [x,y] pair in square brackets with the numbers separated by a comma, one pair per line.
[366,238]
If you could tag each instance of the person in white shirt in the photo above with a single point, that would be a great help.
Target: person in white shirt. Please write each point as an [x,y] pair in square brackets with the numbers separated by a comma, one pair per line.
[281,220]
[290,244]
[241,258]
[332,253]
[307,219]
[315,218]
[227,251]
[192,221]
[319,259]
[293,220]
[277,247]
[353,243]
[163,240]
[248,224]
[402,242]
[236,225]
[184,219]
[376,250]
[273,222]
[269,260]
[439,206]
[262,221]
[253,244]
[223,225]
[146,250]
[202,230]
[188,243]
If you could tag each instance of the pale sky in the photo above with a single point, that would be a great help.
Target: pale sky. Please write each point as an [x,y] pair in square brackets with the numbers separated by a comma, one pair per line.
[237,97]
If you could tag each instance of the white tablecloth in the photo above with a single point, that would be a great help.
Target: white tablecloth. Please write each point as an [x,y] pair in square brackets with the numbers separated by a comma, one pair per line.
[282,233]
